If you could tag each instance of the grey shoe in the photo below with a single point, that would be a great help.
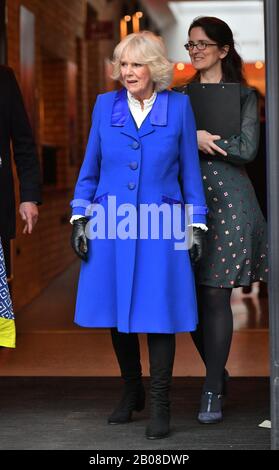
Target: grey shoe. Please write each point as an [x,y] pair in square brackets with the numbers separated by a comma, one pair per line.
[211,408]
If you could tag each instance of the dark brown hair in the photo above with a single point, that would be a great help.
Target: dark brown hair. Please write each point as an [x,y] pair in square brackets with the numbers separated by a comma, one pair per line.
[221,33]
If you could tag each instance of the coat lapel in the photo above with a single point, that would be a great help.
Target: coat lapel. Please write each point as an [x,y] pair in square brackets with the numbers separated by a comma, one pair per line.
[159,112]
[121,115]
[158,115]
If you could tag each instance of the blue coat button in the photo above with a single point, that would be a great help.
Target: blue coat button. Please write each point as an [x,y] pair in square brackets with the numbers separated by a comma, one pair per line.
[131,185]
[133,165]
[135,145]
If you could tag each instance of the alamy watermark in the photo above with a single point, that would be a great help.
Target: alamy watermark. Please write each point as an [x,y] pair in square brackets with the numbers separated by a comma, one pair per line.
[146,221]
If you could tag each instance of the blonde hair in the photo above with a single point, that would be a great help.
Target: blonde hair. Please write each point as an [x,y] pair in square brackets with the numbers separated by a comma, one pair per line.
[145,48]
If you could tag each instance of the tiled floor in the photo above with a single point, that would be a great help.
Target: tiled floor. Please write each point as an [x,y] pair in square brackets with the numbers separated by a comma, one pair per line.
[49,344]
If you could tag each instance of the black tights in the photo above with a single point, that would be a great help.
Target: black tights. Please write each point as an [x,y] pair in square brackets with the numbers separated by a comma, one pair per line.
[214,333]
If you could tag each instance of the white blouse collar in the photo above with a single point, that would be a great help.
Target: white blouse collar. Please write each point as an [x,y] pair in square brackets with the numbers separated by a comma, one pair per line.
[146,103]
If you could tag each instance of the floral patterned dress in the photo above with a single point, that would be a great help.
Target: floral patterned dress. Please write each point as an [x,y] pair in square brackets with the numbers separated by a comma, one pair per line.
[7,323]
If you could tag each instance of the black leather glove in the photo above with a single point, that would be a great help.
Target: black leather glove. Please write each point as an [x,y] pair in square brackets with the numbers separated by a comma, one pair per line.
[197,249]
[79,239]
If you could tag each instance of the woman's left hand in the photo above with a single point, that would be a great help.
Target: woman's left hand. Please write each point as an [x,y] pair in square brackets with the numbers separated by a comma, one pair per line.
[207,145]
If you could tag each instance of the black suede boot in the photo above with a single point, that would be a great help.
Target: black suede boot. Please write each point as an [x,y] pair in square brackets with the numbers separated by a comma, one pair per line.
[161,357]
[126,347]
[133,399]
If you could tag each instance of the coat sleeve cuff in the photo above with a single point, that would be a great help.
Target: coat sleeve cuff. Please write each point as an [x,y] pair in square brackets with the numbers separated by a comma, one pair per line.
[198,218]
[198,210]
[79,206]
[79,211]
[30,196]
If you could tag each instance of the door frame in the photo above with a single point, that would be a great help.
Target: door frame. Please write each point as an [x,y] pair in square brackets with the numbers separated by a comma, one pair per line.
[271,19]
[3,36]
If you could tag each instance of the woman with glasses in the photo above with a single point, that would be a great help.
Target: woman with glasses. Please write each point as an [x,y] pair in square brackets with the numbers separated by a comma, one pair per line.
[236,251]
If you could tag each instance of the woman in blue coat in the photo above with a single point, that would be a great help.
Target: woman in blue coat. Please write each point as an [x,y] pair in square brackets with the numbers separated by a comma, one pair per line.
[136,275]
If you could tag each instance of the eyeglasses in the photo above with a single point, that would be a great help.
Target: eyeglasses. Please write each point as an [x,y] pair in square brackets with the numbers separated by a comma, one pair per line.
[201,45]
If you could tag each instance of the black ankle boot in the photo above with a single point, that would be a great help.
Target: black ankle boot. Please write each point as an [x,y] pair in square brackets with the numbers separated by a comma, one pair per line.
[211,408]
[159,424]
[133,399]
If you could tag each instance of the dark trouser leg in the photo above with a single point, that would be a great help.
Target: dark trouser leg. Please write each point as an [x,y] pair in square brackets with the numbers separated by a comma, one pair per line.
[161,356]
[126,347]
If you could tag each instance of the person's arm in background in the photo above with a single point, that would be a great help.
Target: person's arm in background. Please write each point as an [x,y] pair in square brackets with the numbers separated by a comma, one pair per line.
[25,156]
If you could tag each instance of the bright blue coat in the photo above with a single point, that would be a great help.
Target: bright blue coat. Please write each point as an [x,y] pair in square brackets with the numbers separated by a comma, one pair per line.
[139,285]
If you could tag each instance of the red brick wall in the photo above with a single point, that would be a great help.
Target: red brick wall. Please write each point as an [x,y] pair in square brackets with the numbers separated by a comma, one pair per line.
[94,79]
[54,114]
[82,96]
[58,24]
[60,46]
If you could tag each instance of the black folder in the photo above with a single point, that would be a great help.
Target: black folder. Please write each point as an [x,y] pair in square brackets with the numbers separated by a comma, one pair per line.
[216,107]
